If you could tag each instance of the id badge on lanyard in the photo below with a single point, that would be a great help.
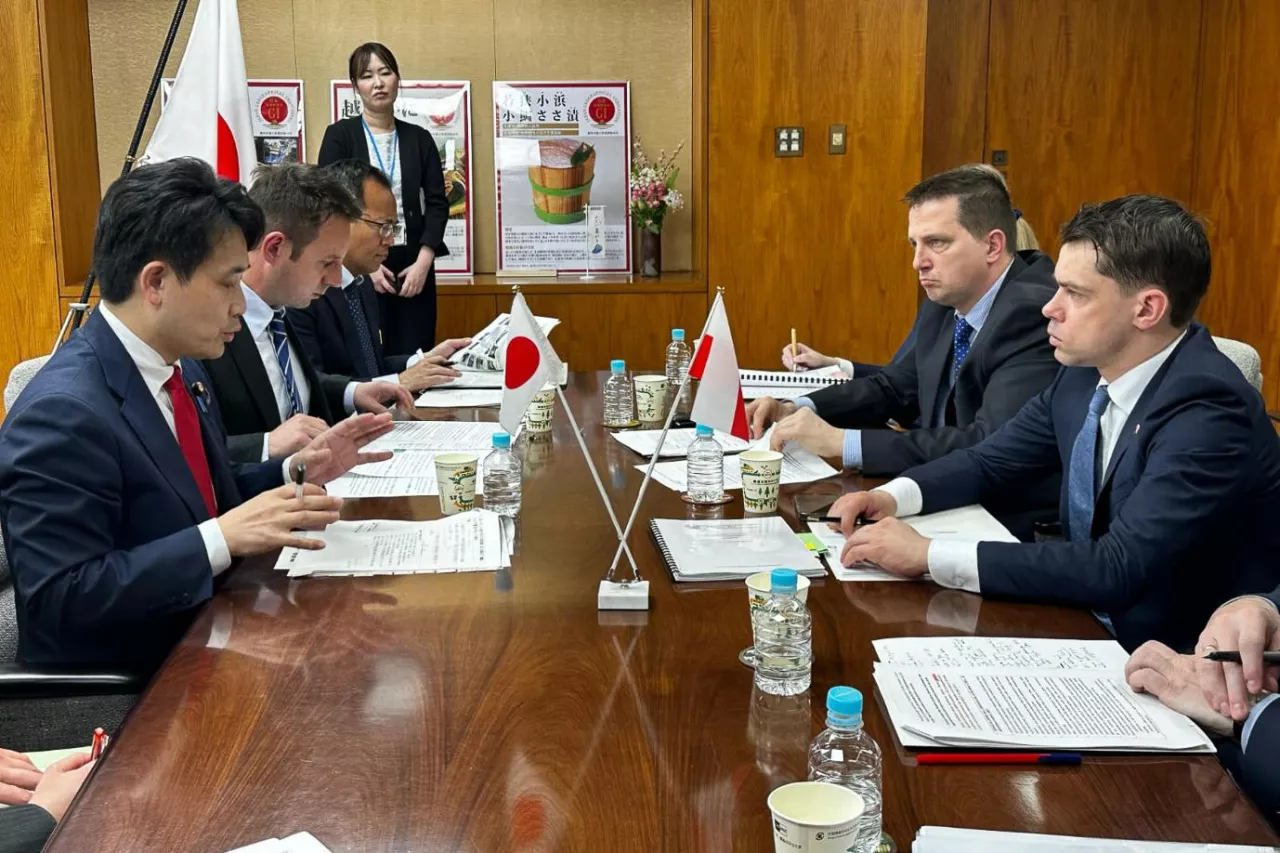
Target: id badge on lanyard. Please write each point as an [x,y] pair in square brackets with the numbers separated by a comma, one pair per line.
[399,236]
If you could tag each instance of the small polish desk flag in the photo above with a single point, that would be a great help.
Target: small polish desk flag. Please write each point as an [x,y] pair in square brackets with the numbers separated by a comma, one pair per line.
[715,365]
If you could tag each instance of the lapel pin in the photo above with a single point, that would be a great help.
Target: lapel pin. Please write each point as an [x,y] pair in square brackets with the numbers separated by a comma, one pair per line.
[1136,427]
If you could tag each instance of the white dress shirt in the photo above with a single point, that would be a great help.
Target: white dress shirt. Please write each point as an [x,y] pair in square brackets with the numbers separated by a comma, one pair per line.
[257,316]
[954,562]
[155,373]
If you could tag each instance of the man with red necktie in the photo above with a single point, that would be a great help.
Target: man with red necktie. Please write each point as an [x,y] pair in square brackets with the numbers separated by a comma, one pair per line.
[118,502]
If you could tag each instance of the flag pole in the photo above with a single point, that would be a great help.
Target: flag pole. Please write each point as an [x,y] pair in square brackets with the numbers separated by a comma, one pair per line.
[657,451]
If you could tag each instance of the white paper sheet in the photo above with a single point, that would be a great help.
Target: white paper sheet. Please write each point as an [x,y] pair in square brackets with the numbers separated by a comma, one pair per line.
[1006,653]
[490,378]
[1033,709]
[301,842]
[834,540]
[470,541]
[439,436]
[798,466]
[458,398]
[945,839]
[488,346]
[731,548]
[644,441]
[352,486]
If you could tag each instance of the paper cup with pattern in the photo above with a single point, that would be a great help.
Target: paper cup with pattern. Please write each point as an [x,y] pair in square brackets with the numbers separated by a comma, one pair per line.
[541,411]
[815,817]
[651,398]
[456,478]
[761,473]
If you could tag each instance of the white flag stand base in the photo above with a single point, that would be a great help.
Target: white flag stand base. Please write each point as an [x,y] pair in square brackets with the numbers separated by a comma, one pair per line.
[626,595]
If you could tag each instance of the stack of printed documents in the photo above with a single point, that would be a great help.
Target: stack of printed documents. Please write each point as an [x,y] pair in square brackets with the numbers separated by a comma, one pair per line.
[945,839]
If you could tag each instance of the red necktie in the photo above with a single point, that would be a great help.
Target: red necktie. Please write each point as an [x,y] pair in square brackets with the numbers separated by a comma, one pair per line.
[186,424]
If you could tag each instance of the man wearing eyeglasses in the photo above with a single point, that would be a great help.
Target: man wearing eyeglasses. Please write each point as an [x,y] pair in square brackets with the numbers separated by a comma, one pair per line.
[341,332]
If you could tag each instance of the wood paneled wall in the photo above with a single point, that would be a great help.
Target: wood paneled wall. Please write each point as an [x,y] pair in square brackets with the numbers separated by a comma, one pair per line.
[1236,181]
[816,242]
[955,87]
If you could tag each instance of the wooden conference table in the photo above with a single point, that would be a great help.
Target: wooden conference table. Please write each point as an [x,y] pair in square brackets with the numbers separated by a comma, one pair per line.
[503,712]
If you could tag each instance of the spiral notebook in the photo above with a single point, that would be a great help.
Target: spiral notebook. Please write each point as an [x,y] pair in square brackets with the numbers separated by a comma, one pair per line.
[730,549]
[820,378]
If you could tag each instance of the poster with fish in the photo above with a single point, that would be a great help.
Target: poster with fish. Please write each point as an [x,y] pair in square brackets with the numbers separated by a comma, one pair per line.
[560,148]
[443,107]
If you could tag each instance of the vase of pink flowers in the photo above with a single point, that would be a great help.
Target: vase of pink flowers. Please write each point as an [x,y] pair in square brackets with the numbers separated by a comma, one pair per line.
[653,195]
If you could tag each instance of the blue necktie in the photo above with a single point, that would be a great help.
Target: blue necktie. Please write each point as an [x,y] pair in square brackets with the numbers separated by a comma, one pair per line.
[356,304]
[1082,473]
[959,346]
[280,342]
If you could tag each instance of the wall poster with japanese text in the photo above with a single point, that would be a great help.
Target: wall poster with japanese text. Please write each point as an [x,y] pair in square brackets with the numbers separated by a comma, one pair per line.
[276,113]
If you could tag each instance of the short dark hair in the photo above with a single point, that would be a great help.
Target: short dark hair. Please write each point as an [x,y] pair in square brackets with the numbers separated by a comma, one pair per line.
[176,212]
[353,173]
[1146,241]
[982,200]
[358,62]
[297,199]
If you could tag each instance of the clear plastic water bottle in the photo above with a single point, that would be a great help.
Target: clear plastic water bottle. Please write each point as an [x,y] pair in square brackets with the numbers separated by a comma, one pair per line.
[782,629]
[678,359]
[502,477]
[844,754]
[704,468]
[619,396]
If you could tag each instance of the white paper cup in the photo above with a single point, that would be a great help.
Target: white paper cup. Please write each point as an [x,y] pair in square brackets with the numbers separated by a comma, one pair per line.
[815,817]
[541,412]
[761,473]
[456,478]
[651,397]
[758,589]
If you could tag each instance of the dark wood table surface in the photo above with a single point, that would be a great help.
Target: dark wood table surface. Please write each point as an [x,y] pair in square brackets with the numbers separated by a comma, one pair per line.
[502,711]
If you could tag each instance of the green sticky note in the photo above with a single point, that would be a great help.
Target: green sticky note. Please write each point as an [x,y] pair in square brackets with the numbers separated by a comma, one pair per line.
[812,542]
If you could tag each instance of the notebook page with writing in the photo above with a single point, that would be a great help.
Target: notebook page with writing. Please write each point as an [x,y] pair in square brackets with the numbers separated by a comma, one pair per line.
[717,549]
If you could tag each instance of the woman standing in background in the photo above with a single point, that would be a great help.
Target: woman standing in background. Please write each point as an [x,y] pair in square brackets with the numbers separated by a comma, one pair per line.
[407,154]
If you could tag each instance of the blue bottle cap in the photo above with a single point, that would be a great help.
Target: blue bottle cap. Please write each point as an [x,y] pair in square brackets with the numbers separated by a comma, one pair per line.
[677,334]
[501,439]
[705,431]
[845,701]
[618,366]
[782,580]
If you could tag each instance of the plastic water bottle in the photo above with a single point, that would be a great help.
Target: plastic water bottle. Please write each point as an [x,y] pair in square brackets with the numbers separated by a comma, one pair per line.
[619,396]
[782,629]
[844,754]
[678,359]
[502,477]
[704,467]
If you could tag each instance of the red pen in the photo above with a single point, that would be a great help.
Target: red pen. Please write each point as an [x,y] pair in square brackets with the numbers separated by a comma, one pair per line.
[998,758]
[99,743]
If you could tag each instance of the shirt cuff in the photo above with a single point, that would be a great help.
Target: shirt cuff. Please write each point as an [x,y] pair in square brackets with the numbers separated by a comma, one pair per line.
[284,470]
[215,545]
[907,493]
[852,448]
[954,564]
[393,378]
[349,397]
[846,367]
[804,403]
[415,358]
[266,446]
[1253,718]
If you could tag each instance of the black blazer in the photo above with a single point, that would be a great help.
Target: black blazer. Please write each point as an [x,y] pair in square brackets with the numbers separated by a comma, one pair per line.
[1186,512]
[426,210]
[248,406]
[24,829]
[1010,362]
[328,334]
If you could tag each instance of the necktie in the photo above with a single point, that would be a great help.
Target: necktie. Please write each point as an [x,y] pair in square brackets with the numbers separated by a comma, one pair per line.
[186,423]
[280,341]
[959,346]
[354,301]
[1081,475]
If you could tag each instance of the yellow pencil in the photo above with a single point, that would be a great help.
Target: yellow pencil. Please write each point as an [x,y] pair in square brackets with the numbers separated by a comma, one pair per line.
[793,349]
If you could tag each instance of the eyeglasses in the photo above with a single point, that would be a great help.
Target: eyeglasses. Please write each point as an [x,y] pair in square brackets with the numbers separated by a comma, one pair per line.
[384,229]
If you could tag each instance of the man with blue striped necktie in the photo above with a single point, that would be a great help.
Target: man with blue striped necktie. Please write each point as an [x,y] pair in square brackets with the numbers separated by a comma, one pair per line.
[1171,466]
[271,400]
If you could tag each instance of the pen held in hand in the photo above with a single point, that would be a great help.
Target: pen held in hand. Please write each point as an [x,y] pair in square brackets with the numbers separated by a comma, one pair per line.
[835,519]
[1268,658]
[299,477]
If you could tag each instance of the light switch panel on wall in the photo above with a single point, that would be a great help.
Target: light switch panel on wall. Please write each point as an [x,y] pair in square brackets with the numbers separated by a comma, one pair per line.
[788,141]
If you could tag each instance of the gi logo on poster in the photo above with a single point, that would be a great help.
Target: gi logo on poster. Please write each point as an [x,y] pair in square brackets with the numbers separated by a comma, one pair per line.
[602,110]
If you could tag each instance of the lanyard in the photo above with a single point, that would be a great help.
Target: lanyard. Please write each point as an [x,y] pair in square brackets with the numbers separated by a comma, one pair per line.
[377,151]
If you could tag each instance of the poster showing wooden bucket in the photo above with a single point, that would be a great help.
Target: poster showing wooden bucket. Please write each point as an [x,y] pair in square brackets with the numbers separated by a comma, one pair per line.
[559,148]
[443,107]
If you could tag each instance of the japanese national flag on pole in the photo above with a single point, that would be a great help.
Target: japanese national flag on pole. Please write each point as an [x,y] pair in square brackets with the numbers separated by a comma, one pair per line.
[715,365]
[207,115]
[529,364]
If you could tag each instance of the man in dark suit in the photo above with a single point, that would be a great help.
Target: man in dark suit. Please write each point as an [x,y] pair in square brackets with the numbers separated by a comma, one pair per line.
[118,504]
[1170,466]
[272,400]
[1220,696]
[979,352]
[341,332]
